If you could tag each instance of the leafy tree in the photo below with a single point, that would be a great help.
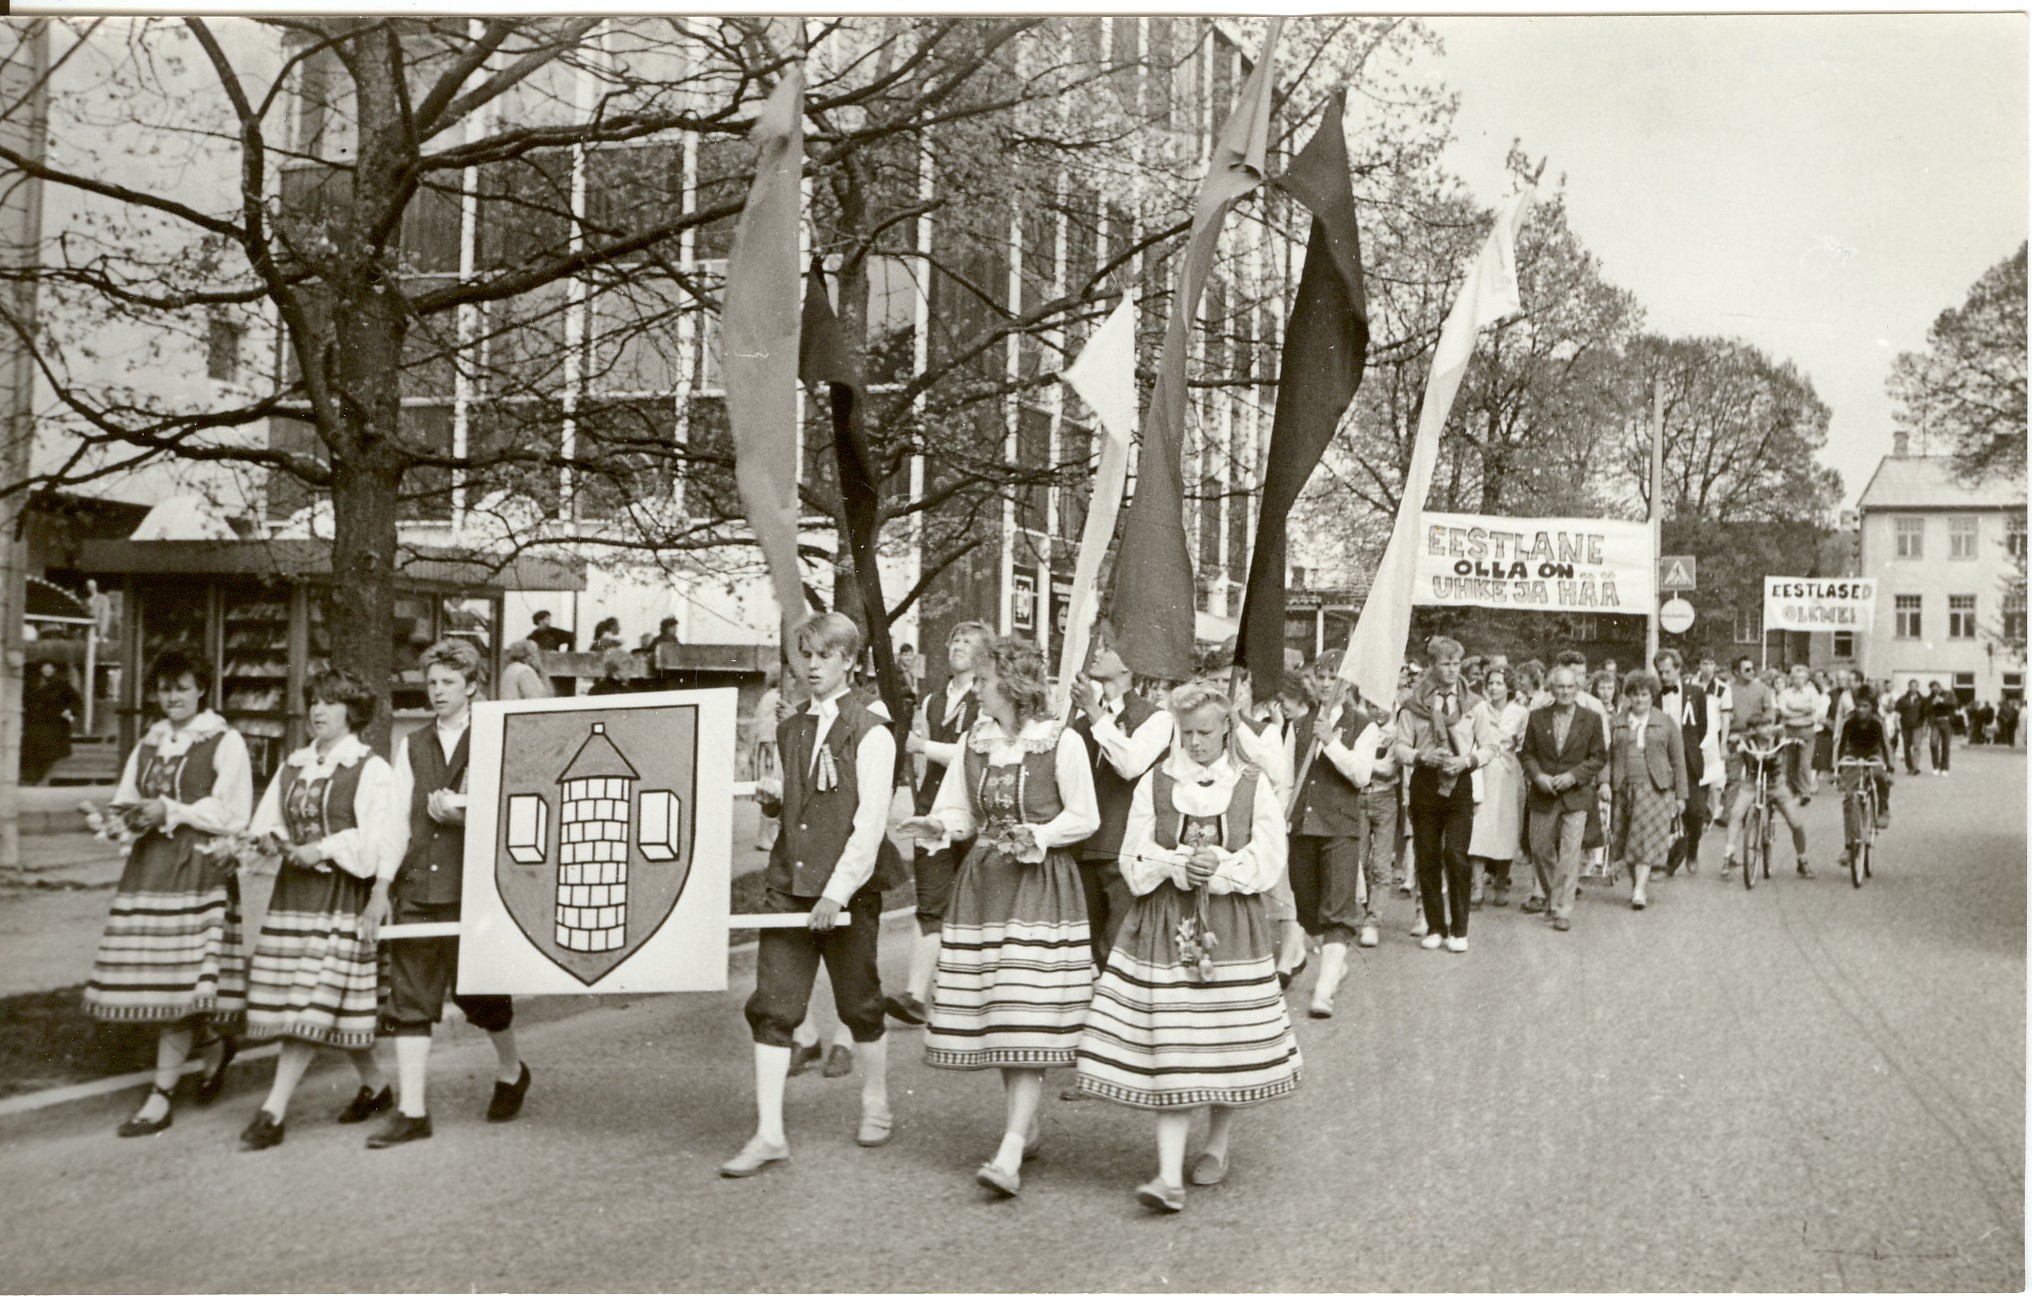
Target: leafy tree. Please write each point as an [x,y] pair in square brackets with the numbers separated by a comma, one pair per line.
[1968,384]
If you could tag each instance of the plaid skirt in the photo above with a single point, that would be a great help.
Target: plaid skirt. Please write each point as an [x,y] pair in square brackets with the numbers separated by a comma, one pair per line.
[312,977]
[1161,1038]
[1645,820]
[171,951]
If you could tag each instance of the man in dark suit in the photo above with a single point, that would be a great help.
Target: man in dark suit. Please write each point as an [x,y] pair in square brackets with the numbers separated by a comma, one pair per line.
[1686,703]
[1563,755]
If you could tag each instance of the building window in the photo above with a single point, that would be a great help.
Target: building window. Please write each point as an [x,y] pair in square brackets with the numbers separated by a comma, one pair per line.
[2014,687]
[1965,687]
[1961,616]
[1908,616]
[1911,537]
[1585,628]
[1961,537]
[1845,644]
[1750,624]
[222,349]
[2014,616]
[2014,536]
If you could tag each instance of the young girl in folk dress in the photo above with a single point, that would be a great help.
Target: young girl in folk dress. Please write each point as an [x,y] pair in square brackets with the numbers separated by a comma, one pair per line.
[1188,1012]
[1015,971]
[313,977]
[172,951]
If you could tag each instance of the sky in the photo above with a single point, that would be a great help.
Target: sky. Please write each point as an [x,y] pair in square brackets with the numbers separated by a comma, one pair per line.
[1821,186]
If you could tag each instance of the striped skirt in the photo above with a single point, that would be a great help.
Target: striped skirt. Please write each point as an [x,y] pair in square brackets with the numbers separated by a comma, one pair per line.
[312,977]
[1160,1038]
[1015,965]
[171,951]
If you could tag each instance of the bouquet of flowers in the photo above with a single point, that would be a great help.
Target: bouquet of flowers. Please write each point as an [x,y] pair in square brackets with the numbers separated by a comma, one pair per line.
[257,854]
[1196,940]
[1007,836]
[111,825]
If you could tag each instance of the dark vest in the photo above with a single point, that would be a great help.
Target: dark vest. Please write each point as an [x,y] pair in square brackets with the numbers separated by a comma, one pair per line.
[816,824]
[1024,791]
[1231,830]
[1327,804]
[434,868]
[1112,792]
[313,809]
[183,779]
[944,728]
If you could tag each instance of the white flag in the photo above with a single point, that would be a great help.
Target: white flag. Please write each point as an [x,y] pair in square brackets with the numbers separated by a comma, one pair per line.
[1104,375]
[1376,650]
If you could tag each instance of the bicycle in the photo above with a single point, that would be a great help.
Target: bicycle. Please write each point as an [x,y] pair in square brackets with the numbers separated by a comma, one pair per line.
[1757,828]
[1859,813]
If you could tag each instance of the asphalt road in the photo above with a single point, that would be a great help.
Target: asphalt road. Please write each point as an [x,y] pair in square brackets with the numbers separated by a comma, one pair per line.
[1801,1088]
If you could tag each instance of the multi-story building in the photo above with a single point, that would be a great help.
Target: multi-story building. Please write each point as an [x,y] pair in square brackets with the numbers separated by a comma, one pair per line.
[1949,560]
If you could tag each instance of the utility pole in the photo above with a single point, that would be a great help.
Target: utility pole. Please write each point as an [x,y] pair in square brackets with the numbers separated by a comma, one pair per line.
[1657,510]
[20,246]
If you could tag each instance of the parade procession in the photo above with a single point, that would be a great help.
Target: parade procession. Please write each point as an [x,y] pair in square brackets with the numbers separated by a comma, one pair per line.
[1209,668]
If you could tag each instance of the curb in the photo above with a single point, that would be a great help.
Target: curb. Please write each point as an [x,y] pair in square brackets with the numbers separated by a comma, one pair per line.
[22,1104]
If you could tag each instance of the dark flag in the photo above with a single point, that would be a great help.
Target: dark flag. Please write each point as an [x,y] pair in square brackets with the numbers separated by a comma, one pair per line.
[1325,345]
[1153,600]
[822,361]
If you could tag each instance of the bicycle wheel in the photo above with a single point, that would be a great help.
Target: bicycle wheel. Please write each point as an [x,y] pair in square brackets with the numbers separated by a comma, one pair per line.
[1753,836]
[1859,843]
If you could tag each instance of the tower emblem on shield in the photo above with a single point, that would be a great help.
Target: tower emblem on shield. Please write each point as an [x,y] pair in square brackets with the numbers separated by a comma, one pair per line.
[593,849]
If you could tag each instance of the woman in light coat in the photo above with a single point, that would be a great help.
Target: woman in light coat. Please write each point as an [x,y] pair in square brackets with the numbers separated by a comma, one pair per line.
[1498,721]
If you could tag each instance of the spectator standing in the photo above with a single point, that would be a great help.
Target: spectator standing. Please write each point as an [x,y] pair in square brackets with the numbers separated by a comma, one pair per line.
[1981,716]
[2007,723]
[1941,709]
[49,710]
[607,635]
[553,640]
[520,678]
[1913,713]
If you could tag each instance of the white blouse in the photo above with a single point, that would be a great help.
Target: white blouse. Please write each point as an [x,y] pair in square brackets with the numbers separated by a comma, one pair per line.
[1250,871]
[231,799]
[954,805]
[374,847]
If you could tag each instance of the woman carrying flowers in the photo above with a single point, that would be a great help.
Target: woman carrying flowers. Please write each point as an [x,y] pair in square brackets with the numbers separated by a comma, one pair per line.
[1015,969]
[313,978]
[171,953]
[1188,1012]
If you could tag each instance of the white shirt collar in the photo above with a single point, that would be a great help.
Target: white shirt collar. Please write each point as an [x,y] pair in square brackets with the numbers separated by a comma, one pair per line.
[348,750]
[828,707]
[170,741]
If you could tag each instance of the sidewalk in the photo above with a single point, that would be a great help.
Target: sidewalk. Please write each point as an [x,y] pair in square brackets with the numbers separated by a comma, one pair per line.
[53,909]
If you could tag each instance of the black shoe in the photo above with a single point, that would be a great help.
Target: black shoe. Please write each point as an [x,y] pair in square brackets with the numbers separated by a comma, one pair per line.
[506,1104]
[802,1057]
[839,1062]
[367,1103]
[400,1129]
[213,1083]
[262,1133]
[135,1127]
[906,1008]
[1804,871]
[1284,979]
[1532,906]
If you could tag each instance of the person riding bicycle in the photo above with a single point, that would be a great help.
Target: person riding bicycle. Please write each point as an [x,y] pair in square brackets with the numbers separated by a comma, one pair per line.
[1762,743]
[1864,737]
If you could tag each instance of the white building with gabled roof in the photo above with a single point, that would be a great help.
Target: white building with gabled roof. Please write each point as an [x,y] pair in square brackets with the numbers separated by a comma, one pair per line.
[1949,560]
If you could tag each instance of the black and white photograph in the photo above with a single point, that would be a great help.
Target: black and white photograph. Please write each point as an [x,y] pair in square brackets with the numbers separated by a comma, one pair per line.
[947,650]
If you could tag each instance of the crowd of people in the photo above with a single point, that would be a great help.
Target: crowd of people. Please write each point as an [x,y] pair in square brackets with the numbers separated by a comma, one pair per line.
[1127,892]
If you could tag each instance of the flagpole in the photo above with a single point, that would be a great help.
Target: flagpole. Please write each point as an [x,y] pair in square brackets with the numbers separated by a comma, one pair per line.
[1657,506]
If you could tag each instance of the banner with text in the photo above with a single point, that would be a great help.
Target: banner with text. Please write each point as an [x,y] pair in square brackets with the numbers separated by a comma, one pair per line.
[1536,564]
[1807,603]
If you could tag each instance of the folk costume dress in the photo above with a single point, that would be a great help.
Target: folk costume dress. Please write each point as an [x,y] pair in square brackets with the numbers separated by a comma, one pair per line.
[1167,1030]
[1015,964]
[172,949]
[312,976]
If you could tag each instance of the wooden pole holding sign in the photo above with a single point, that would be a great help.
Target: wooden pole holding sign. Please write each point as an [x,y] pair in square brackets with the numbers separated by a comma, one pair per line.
[1657,507]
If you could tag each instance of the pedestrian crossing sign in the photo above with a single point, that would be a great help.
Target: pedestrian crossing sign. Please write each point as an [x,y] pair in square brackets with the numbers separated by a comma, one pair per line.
[1676,573]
